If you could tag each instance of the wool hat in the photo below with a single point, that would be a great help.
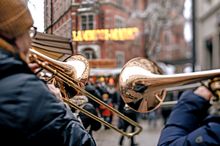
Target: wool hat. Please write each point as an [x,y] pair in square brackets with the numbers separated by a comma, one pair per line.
[15,18]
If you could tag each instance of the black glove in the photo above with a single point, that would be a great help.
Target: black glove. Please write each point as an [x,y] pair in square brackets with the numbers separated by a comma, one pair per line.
[87,121]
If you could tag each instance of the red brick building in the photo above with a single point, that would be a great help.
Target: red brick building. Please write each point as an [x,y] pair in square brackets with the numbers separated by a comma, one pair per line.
[93,26]
[74,19]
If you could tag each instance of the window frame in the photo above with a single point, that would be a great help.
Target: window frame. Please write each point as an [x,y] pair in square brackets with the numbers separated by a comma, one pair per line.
[87,21]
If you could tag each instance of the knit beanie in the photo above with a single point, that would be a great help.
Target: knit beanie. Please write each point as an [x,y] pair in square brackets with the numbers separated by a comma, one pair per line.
[15,18]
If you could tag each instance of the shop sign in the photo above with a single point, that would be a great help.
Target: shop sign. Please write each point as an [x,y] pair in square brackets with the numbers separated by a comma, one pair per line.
[117,34]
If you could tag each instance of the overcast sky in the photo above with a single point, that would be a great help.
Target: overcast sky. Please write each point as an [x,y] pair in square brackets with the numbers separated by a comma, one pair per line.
[187,14]
[37,10]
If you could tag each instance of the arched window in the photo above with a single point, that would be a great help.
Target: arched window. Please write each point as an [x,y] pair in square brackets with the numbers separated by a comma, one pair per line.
[89,53]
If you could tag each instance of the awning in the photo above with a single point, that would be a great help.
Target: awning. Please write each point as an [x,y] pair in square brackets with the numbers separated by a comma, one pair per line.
[105,71]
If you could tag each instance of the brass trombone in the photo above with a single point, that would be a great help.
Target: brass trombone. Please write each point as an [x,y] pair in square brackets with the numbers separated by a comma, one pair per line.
[143,87]
[74,73]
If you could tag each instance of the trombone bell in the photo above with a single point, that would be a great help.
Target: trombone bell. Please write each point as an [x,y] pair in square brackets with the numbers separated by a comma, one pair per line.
[76,67]
[143,87]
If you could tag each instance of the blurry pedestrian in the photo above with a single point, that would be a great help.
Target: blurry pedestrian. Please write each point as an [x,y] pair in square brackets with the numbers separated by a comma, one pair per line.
[105,112]
[112,94]
[101,85]
[93,91]
[124,125]
[152,119]
[165,111]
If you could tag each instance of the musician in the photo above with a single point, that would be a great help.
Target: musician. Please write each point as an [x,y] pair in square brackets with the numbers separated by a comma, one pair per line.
[29,113]
[81,101]
[192,122]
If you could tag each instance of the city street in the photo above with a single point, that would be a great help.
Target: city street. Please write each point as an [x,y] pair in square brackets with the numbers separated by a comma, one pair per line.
[148,137]
[96,72]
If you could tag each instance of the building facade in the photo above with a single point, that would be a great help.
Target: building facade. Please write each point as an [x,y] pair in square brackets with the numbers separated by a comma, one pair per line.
[120,34]
[120,30]
[208,34]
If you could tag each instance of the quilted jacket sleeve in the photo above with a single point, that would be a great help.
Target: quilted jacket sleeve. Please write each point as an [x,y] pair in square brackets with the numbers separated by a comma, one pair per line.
[188,124]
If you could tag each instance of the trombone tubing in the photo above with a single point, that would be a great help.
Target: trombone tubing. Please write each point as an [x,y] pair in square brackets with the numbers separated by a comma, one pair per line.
[179,88]
[169,103]
[71,82]
[110,108]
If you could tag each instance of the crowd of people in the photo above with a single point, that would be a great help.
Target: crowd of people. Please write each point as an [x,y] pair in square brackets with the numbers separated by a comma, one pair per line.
[189,122]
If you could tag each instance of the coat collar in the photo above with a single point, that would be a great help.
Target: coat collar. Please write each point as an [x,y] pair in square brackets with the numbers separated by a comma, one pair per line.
[10,48]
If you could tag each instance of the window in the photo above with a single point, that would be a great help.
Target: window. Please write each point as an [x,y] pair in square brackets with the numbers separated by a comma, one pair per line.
[119,2]
[209,1]
[89,53]
[119,22]
[167,37]
[120,58]
[209,51]
[135,3]
[87,22]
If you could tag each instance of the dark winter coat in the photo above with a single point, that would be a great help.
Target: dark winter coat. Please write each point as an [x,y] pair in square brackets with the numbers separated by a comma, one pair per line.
[30,114]
[190,124]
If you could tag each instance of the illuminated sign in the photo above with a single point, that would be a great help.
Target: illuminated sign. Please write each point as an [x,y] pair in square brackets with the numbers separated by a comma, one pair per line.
[117,34]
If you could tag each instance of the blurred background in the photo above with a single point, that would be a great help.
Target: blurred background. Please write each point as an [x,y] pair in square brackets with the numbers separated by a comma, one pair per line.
[181,36]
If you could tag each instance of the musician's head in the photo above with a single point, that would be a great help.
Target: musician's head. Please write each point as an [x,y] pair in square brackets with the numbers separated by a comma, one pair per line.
[15,23]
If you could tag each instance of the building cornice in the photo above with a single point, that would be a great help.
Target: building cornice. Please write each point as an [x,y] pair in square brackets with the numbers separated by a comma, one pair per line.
[212,11]
[114,5]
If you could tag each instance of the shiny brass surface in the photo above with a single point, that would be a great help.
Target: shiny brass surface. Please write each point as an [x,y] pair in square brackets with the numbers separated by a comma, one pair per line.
[68,67]
[143,86]
[75,73]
